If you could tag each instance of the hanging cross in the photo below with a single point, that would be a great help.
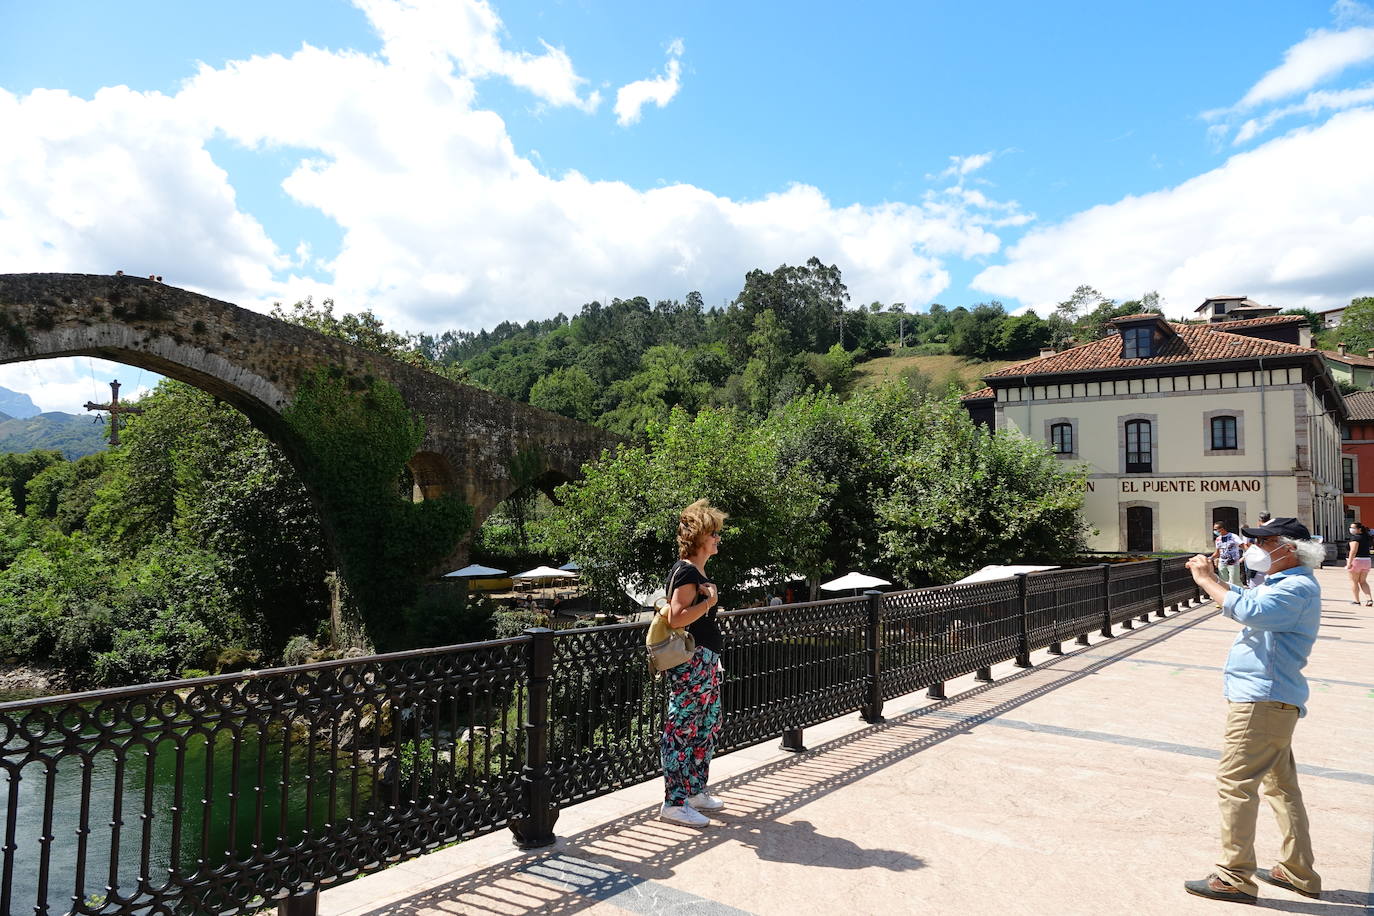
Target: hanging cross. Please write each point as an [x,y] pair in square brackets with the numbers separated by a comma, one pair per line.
[115,409]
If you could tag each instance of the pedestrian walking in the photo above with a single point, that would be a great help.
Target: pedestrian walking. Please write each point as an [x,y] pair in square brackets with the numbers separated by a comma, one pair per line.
[693,718]
[1226,554]
[1266,695]
[1357,563]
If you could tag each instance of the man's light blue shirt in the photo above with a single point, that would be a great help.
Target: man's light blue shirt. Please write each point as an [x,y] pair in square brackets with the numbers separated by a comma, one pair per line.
[1280,620]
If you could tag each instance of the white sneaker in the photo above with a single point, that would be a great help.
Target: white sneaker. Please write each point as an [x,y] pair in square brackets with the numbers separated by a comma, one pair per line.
[706,802]
[683,814]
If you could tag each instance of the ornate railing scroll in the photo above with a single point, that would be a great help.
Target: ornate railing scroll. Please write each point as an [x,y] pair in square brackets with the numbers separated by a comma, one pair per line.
[790,667]
[205,796]
[1062,605]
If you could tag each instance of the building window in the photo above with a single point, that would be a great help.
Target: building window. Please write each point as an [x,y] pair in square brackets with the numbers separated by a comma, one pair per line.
[1061,439]
[1135,343]
[1347,475]
[1345,432]
[1223,433]
[1139,447]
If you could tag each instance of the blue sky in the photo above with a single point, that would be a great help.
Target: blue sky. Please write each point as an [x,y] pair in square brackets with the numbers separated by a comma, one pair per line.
[452,163]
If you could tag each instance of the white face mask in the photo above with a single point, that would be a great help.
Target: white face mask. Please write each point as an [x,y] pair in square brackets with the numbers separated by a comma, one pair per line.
[1258,559]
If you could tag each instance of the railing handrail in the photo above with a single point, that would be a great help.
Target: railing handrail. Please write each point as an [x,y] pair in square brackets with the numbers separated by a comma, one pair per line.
[236,677]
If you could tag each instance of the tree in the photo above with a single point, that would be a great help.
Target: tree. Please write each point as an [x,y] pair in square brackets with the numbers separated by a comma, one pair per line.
[961,497]
[620,520]
[979,334]
[570,392]
[769,362]
[1023,335]
[1357,324]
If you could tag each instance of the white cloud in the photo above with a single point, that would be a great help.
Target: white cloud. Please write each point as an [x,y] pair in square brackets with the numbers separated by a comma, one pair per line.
[1290,222]
[444,224]
[1317,58]
[631,98]
[429,33]
[1315,103]
[961,166]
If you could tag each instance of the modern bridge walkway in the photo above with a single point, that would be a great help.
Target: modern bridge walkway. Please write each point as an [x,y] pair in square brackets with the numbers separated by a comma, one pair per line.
[1082,785]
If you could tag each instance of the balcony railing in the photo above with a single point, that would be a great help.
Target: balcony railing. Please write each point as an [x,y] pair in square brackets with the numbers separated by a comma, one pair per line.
[229,793]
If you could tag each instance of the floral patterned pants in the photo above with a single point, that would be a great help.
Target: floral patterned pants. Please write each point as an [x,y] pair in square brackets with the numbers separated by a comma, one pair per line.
[691,726]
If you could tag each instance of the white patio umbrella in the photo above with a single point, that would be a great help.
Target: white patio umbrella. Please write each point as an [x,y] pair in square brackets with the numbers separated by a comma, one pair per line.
[991,573]
[474,571]
[853,580]
[571,566]
[543,572]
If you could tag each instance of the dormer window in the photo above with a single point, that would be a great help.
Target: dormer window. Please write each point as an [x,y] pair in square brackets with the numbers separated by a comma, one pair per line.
[1136,342]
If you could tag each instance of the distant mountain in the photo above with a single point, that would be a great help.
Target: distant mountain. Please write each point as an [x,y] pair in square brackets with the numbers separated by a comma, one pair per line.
[17,404]
[74,436]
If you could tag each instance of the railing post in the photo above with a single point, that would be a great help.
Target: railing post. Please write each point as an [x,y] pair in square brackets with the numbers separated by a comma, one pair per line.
[792,741]
[1159,577]
[936,691]
[872,711]
[1023,634]
[535,828]
[1107,600]
[307,904]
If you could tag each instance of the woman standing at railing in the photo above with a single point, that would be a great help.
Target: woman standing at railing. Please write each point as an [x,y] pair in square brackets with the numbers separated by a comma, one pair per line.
[693,719]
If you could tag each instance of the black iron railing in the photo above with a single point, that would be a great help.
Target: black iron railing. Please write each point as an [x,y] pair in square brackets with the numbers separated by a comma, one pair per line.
[225,794]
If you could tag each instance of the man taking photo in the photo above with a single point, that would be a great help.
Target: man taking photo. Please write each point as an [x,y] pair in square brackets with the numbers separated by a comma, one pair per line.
[1267,694]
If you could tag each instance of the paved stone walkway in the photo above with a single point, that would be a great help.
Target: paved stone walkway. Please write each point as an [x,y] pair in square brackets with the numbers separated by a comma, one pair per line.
[1082,785]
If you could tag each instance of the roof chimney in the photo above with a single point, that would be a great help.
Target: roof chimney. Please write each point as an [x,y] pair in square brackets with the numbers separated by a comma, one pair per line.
[1047,351]
[1340,348]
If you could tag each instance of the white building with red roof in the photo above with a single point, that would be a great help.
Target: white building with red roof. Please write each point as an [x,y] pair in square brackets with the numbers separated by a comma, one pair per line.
[1177,426]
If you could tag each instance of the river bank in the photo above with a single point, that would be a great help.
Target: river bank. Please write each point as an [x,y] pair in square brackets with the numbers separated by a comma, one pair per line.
[23,682]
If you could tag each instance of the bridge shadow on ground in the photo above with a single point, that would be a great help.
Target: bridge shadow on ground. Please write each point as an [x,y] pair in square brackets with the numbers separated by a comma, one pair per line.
[622,862]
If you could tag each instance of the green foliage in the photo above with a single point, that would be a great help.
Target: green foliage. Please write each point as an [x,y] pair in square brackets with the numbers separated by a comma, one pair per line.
[364,330]
[570,392]
[960,497]
[1357,324]
[620,521]
[889,481]
[354,437]
[17,470]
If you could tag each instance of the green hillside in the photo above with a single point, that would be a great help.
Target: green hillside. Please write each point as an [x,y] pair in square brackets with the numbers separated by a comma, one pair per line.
[74,436]
[936,368]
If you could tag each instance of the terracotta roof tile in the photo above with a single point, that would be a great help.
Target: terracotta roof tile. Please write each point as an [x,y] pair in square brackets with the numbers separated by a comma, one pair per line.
[1255,322]
[1137,316]
[980,394]
[1349,359]
[1360,405]
[1191,344]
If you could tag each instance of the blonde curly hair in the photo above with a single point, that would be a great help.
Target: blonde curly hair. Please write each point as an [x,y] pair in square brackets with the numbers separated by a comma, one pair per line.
[698,521]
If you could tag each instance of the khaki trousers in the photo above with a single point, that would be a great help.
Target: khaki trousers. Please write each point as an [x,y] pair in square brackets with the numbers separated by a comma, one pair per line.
[1258,752]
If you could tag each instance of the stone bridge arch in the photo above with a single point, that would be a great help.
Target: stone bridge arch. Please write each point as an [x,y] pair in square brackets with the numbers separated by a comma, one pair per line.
[256,363]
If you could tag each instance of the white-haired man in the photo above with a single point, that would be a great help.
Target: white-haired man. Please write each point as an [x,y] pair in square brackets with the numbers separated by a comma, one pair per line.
[1267,694]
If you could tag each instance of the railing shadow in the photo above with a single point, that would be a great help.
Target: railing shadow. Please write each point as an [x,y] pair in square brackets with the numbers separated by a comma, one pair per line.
[623,856]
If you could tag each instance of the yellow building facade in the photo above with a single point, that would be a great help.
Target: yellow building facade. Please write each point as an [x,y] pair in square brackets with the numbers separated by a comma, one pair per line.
[1181,426]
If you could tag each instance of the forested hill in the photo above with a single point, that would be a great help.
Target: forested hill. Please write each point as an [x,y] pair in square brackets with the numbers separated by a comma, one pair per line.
[74,436]
[630,361]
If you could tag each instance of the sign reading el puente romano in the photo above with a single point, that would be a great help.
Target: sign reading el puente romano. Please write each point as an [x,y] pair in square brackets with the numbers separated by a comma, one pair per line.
[1189,485]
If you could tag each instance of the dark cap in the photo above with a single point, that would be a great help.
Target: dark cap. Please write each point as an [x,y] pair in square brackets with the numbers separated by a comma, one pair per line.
[1283,527]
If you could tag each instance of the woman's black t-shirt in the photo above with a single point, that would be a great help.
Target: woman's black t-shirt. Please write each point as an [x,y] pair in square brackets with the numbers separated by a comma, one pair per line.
[1361,542]
[704,629]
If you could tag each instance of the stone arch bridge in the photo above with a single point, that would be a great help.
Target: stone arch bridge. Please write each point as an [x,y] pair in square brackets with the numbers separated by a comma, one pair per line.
[473,439]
